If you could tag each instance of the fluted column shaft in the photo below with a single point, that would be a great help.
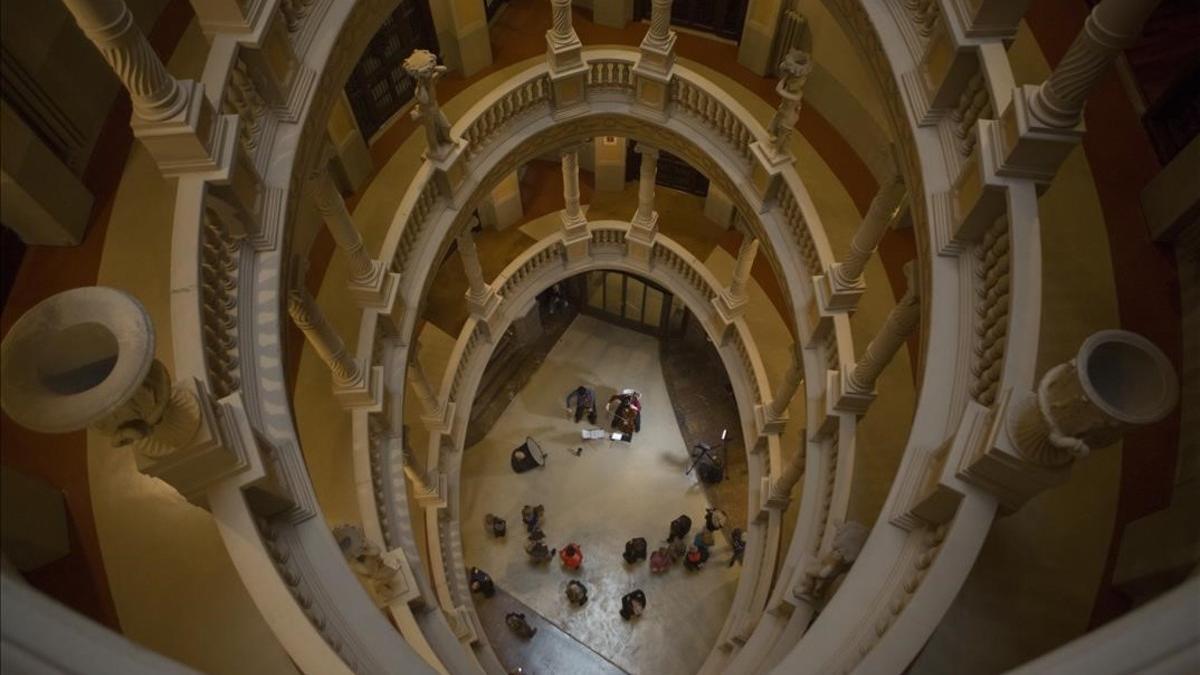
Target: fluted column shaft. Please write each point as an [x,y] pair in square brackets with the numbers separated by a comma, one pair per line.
[341,227]
[870,232]
[787,388]
[646,179]
[573,214]
[156,95]
[781,488]
[899,325]
[1112,26]
[741,269]
[469,254]
[562,32]
[321,336]
[660,22]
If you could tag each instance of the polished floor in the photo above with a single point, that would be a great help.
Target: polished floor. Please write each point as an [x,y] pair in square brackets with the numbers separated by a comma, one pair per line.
[611,493]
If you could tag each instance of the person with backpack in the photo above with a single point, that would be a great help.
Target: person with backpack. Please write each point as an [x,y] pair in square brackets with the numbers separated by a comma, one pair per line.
[633,604]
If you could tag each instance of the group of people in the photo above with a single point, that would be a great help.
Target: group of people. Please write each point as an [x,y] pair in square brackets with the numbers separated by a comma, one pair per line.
[626,408]
[676,549]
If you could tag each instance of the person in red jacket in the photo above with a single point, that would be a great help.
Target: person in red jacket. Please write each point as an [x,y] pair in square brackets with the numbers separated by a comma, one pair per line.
[572,556]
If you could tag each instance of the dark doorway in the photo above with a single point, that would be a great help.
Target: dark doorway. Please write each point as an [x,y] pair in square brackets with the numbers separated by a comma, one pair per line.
[673,172]
[378,87]
[723,18]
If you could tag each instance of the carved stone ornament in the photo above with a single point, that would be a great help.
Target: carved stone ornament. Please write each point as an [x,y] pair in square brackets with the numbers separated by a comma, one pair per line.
[794,70]
[1117,381]
[422,65]
[848,540]
[366,559]
[85,357]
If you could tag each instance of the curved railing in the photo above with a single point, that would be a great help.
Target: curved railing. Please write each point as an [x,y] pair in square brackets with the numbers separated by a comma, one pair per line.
[980,277]
[227,287]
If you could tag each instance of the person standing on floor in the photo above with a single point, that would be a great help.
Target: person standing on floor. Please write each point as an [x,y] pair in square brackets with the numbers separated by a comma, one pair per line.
[583,401]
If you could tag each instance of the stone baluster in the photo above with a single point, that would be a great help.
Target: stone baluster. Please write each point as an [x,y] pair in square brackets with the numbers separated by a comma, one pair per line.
[574,224]
[1044,123]
[371,285]
[420,382]
[899,325]
[352,381]
[842,284]
[644,226]
[481,298]
[172,118]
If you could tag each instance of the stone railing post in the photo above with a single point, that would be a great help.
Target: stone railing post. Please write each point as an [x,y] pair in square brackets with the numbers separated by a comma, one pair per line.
[371,284]
[429,488]
[644,225]
[772,416]
[1044,123]
[655,66]
[481,298]
[842,284]
[576,237]
[355,385]
[172,118]
[564,56]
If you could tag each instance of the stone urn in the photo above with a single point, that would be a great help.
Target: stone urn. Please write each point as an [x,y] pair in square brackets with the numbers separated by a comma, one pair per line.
[85,358]
[1117,381]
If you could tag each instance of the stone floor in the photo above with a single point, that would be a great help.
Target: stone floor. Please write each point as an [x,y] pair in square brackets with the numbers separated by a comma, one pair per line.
[611,493]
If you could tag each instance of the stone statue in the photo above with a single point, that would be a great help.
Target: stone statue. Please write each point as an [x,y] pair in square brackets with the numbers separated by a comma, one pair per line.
[848,540]
[422,65]
[794,70]
[366,560]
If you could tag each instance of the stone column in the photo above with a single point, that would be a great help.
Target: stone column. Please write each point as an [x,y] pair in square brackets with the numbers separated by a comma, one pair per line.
[1112,27]
[772,416]
[1117,381]
[652,72]
[371,285]
[420,381]
[899,325]
[353,385]
[780,490]
[1043,123]
[731,301]
[787,388]
[644,226]
[481,298]
[564,56]
[842,285]
[741,269]
[574,224]
[172,118]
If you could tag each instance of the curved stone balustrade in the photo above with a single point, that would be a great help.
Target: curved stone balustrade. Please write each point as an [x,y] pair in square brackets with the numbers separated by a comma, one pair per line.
[944,77]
